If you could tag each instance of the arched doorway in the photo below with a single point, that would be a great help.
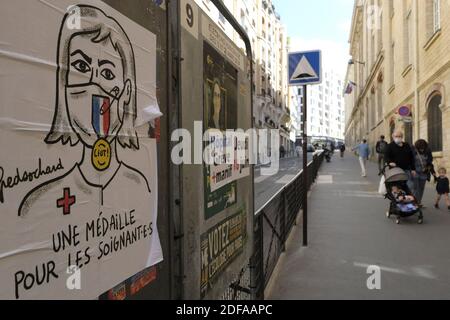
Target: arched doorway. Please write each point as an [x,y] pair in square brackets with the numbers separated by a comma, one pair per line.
[435,123]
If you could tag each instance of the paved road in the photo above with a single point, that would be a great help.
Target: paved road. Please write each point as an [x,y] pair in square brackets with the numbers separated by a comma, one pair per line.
[267,186]
[349,232]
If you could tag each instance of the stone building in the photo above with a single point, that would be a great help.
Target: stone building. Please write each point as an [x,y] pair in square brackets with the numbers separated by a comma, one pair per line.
[401,67]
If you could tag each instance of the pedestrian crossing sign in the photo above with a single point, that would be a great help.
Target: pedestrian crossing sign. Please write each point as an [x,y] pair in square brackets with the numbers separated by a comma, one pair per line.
[305,68]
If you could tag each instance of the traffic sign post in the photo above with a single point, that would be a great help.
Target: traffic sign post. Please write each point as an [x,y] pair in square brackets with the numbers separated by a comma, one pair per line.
[305,68]
[305,166]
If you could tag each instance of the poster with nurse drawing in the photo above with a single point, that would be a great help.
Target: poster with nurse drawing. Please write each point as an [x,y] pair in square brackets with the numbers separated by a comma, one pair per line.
[78,170]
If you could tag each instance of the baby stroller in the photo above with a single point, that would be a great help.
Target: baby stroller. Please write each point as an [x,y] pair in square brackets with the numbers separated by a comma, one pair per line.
[396,177]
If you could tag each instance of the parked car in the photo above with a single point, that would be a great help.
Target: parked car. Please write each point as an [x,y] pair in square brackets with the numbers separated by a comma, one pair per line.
[310,149]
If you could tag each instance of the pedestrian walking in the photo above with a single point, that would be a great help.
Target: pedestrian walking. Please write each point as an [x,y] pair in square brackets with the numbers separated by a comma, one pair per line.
[364,154]
[381,151]
[342,148]
[400,154]
[442,188]
[327,152]
[423,159]
[282,151]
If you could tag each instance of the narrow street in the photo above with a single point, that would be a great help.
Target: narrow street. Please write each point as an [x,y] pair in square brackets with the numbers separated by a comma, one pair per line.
[267,186]
[349,232]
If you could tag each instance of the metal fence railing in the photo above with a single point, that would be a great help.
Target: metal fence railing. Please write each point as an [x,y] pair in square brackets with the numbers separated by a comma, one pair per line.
[273,224]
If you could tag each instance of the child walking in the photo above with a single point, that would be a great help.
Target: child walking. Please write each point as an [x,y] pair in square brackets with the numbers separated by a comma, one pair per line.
[442,188]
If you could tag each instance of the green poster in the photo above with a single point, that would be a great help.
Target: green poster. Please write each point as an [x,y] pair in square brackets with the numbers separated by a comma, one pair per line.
[220,113]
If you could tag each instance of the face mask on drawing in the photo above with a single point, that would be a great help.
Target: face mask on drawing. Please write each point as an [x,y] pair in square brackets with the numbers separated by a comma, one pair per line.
[94,112]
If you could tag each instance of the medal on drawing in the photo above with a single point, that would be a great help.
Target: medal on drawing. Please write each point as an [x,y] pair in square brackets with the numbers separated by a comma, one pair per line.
[101,155]
[101,119]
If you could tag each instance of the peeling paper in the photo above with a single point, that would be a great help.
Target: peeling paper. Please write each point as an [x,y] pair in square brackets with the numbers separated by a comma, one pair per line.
[149,114]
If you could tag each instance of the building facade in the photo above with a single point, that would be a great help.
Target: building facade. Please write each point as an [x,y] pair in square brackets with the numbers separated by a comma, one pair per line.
[401,67]
[326,108]
[268,37]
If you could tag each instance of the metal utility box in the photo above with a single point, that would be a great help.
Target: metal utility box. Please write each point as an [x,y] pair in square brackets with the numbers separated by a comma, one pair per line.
[217,221]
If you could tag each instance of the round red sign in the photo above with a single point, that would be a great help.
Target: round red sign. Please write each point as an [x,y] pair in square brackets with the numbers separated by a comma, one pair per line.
[404,111]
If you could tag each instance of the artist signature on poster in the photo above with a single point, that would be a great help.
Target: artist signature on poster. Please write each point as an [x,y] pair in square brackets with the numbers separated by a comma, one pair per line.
[23,176]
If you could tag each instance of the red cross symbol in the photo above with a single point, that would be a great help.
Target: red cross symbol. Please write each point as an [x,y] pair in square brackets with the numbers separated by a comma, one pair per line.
[66,201]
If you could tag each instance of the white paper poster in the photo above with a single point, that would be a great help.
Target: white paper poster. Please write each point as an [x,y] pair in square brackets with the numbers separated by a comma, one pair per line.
[78,172]
[232,164]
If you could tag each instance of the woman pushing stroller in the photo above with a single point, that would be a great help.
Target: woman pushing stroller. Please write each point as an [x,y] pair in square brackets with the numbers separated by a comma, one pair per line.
[399,179]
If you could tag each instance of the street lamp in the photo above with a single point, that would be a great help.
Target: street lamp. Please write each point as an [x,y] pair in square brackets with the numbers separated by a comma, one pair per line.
[352,62]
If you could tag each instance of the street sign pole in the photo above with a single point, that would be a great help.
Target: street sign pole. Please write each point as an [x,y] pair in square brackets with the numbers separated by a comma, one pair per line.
[305,166]
[305,68]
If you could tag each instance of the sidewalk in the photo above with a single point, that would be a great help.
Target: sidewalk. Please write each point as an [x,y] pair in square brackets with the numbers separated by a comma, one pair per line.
[349,231]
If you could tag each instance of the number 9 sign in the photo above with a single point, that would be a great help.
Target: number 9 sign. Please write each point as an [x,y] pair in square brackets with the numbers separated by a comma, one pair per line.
[189,16]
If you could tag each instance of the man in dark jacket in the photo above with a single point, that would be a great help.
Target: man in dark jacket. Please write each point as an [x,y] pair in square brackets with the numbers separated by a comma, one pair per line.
[381,150]
[342,149]
[400,154]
